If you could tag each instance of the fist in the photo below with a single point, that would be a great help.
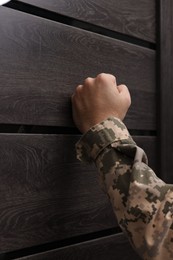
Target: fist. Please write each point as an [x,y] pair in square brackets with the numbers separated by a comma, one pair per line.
[97,99]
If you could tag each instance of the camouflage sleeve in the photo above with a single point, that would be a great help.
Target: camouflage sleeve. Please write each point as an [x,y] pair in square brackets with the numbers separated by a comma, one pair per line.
[142,203]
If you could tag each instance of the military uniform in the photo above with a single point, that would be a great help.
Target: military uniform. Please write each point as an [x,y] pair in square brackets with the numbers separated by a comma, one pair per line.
[142,203]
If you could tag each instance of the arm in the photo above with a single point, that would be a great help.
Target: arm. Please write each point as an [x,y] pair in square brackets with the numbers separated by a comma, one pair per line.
[141,202]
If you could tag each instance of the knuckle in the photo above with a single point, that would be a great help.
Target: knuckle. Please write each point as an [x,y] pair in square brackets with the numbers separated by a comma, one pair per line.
[124,86]
[113,76]
[78,88]
[87,81]
[115,79]
[106,77]
[101,76]
[77,92]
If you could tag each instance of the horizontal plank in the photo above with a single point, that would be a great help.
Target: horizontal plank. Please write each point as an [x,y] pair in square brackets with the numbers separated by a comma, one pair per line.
[135,18]
[41,63]
[46,194]
[115,247]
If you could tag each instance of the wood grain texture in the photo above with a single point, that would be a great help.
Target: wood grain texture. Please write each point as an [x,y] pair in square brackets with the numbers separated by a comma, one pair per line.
[166,89]
[41,62]
[46,194]
[131,17]
[115,247]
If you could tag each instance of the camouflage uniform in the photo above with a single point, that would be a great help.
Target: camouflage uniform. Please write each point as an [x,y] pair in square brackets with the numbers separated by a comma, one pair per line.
[142,203]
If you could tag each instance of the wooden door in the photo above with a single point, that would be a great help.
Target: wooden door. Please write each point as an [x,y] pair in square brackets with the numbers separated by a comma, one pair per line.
[51,206]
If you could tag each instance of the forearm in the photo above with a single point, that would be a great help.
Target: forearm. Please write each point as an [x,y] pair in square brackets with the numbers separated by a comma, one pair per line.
[142,202]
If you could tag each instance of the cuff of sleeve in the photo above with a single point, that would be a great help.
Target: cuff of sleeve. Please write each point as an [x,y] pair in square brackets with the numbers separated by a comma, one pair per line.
[100,136]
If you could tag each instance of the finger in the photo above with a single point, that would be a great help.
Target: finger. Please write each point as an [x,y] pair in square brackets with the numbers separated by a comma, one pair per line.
[123,89]
[88,81]
[124,92]
[111,77]
[105,77]
[78,89]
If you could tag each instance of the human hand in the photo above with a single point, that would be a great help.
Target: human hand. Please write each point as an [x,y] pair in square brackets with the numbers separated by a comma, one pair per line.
[97,99]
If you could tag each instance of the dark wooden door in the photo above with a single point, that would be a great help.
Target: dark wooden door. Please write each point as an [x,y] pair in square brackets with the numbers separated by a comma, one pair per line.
[51,206]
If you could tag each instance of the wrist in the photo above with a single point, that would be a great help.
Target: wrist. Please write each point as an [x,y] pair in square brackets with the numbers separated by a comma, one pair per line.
[94,122]
[100,136]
